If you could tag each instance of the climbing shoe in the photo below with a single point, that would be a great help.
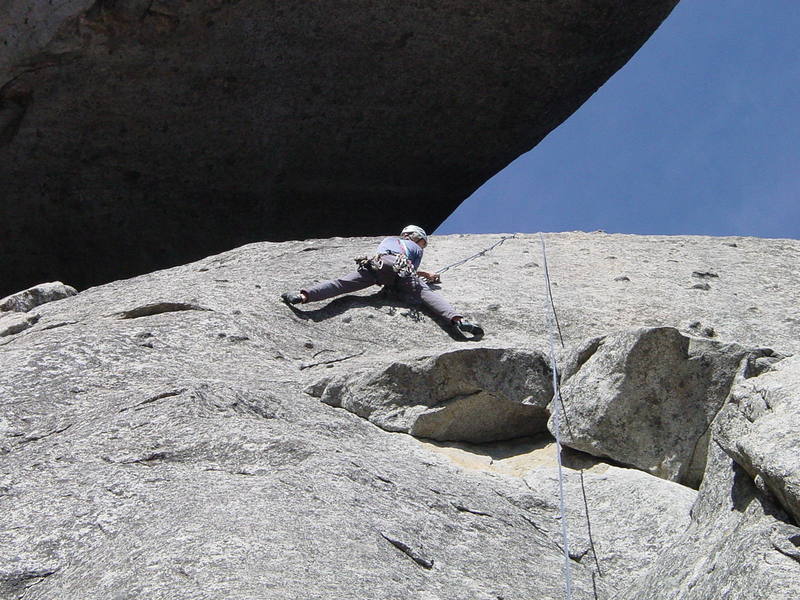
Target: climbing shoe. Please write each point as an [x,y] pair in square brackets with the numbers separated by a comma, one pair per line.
[467,327]
[291,298]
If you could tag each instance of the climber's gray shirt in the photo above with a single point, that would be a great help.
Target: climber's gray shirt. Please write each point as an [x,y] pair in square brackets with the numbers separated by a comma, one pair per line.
[397,245]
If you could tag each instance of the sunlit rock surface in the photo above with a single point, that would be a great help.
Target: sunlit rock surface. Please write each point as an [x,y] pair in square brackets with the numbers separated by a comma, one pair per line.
[156,436]
[646,397]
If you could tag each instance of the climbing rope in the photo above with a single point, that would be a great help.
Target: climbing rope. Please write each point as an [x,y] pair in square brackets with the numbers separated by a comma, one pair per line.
[557,413]
[559,408]
[549,289]
[477,254]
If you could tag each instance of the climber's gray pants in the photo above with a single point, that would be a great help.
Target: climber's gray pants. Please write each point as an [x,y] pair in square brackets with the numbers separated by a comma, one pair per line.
[411,288]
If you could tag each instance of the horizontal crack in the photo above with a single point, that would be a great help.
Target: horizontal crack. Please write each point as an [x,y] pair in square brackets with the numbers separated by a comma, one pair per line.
[472,512]
[35,437]
[157,308]
[329,362]
[170,394]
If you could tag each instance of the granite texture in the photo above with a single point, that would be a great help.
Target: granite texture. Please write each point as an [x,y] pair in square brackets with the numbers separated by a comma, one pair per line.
[156,440]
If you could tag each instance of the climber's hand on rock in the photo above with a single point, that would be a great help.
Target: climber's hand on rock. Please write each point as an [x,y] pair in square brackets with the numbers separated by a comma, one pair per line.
[430,277]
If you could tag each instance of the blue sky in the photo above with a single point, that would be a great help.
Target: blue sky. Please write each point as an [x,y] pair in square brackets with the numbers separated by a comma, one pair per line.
[698,134]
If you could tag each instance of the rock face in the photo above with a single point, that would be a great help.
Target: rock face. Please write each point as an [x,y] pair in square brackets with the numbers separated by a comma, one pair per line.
[480,395]
[739,545]
[157,440]
[13,323]
[647,398]
[36,296]
[638,519]
[139,134]
[12,308]
[760,429]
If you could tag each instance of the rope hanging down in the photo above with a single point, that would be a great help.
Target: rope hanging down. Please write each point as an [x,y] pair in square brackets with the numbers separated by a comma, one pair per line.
[549,289]
[477,254]
[560,410]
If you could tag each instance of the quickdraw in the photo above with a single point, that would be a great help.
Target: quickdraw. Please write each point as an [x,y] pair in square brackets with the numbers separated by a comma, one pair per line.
[402,266]
[366,263]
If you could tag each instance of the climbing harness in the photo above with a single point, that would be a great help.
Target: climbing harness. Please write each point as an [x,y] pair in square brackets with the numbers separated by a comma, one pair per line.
[402,265]
[477,254]
[558,412]
[365,263]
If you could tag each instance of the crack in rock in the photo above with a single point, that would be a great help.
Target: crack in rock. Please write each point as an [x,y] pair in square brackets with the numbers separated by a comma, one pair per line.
[58,325]
[415,555]
[786,540]
[169,394]
[40,436]
[157,308]
[19,581]
[17,323]
[462,508]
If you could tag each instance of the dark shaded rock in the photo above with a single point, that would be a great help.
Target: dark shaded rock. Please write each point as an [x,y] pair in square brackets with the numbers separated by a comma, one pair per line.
[156,308]
[36,296]
[697,328]
[143,134]
[704,275]
[14,323]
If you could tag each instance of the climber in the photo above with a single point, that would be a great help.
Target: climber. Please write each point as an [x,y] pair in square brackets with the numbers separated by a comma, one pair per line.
[395,266]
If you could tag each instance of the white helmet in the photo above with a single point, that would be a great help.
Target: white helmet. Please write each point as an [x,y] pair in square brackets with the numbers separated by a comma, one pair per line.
[409,229]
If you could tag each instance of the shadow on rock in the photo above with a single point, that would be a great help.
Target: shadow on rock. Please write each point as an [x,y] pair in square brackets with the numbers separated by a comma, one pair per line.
[472,395]
[381,299]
